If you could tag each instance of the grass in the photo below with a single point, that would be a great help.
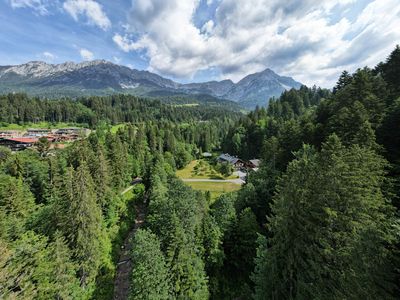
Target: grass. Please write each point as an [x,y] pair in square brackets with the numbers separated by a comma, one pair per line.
[215,188]
[128,195]
[115,128]
[38,125]
[201,169]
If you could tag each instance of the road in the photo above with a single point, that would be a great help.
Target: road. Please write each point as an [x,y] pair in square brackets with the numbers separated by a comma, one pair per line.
[236,181]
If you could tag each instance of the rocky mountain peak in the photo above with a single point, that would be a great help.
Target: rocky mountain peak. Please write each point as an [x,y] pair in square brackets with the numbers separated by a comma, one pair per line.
[99,76]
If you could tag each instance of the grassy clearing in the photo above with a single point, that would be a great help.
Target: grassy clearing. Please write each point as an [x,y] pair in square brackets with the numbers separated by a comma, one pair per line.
[215,188]
[201,169]
[115,128]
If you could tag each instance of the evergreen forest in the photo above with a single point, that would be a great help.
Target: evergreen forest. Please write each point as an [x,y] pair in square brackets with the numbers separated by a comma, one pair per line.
[318,220]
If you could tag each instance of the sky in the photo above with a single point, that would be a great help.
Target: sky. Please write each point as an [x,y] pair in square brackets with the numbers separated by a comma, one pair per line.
[199,40]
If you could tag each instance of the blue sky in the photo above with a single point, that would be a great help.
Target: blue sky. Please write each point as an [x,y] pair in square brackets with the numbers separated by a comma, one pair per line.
[199,40]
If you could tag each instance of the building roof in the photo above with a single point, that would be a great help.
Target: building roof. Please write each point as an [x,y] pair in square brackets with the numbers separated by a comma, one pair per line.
[22,140]
[71,128]
[39,129]
[255,162]
[228,158]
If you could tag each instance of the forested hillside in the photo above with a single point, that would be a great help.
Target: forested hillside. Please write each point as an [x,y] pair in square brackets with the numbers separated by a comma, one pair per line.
[318,220]
[327,196]
[102,78]
[64,217]
[116,109]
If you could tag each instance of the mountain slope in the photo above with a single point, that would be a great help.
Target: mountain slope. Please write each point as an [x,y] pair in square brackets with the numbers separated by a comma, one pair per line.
[256,89]
[100,77]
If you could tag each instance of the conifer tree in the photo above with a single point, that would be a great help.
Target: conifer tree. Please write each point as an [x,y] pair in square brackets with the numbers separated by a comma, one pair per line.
[391,71]
[5,254]
[186,269]
[118,158]
[149,274]
[328,215]
[62,273]
[344,80]
[16,205]
[101,178]
[84,223]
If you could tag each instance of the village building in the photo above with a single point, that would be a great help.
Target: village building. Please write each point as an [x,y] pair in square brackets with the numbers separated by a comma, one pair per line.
[73,131]
[70,134]
[207,154]
[234,161]
[254,164]
[38,132]
[66,138]
[22,139]
[11,133]
[18,143]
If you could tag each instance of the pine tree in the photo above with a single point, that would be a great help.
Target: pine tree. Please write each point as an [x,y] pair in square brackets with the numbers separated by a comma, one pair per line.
[391,71]
[43,146]
[330,220]
[223,211]
[101,178]
[240,250]
[118,158]
[344,80]
[84,223]
[149,274]
[5,154]
[186,269]
[23,268]
[63,271]
[213,252]
[5,272]
[16,206]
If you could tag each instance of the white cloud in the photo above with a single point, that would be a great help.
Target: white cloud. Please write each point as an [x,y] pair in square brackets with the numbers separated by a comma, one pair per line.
[117,60]
[39,6]
[208,27]
[48,56]
[296,38]
[86,54]
[124,43]
[89,8]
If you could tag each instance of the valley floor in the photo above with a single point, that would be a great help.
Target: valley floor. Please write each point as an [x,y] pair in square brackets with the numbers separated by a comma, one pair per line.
[201,176]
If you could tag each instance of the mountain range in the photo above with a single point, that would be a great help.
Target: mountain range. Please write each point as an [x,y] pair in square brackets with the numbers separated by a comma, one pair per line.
[100,77]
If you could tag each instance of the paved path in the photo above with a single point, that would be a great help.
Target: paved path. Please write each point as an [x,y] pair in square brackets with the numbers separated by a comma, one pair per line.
[236,181]
[124,266]
[136,181]
[127,190]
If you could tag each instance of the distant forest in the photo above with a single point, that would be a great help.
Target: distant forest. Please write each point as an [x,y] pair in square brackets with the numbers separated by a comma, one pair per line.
[318,220]
[116,109]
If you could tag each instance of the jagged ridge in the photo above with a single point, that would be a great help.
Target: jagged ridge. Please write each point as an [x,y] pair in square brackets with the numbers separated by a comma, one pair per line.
[103,77]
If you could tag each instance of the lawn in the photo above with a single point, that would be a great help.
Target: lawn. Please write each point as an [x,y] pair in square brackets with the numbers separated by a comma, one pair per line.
[215,188]
[200,169]
[115,128]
